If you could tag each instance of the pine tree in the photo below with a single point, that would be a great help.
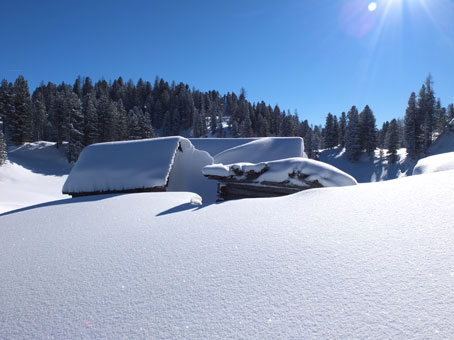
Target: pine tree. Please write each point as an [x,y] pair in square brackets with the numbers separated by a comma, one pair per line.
[328,133]
[3,155]
[91,133]
[392,141]
[39,116]
[342,129]
[367,130]
[450,112]
[246,126]
[382,135]
[76,127]
[6,102]
[411,128]
[134,128]
[352,135]
[122,122]
[440,118]
[21,122]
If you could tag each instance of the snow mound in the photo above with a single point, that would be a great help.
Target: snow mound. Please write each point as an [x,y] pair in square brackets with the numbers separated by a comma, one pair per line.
[263,150]
[334,263]
[170,162]
[285,170]
[436,163]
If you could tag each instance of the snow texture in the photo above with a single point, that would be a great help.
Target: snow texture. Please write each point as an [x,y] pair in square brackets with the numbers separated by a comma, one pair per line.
[334,263]
[436,163]
[34,173]
[279,171]
[141,164]
[263,150]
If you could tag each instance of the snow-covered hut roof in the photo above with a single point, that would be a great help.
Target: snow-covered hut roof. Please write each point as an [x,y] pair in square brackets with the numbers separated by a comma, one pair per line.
[436,163]
[135,165]
[292,171]
[254,150]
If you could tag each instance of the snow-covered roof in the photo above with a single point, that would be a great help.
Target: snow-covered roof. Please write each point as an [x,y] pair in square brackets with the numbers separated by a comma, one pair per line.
[436,163]
[131,165]
[216,145]
[289,170]
[262,150]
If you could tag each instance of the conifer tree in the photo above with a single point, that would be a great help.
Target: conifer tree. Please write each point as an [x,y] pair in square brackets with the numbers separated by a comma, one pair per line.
[76,127]
[450,112]
[39,116]
[411,128]
[3,155]
[342,129]
[328,135]
[21,121]
[352,135]
[392,141]
[367,130]
[122,122]
[6,102]
[246,126]
[91,134]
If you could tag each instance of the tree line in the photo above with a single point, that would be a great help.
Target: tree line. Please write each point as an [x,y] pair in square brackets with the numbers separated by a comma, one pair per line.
[425,119]
[85,113]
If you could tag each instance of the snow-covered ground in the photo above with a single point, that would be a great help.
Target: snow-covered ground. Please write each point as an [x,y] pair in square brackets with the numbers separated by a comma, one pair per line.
[372,261]
[34,173]
[366,170]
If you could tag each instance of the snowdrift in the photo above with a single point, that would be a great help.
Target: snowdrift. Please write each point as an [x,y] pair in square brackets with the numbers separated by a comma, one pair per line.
[441,162]
[370,261]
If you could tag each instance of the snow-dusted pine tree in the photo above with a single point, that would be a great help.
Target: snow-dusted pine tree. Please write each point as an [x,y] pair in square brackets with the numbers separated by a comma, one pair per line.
[411,127]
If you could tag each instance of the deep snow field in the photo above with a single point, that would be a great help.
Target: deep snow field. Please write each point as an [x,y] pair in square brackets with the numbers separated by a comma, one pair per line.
[370,261]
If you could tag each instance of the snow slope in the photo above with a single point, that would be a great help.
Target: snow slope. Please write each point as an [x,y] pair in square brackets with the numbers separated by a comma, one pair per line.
[441,162]
[332,263]
[365,170]
[216,145]
[34,173]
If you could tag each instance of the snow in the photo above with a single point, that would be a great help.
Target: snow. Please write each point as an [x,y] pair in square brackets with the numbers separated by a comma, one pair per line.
[146,163]
[444,143]
[441,162]
[263,150]
[371,261]
[216,145]
[279,171]
[34,174]
[366,170]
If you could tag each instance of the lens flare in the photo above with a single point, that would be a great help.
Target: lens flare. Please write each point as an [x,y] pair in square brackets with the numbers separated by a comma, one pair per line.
[372,6]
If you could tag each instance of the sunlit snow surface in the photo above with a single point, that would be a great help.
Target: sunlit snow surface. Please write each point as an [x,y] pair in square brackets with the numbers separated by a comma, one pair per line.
[372,261]
[436,163]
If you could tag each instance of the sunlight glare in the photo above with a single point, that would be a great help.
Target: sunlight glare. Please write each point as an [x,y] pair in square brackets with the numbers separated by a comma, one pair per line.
[372,6]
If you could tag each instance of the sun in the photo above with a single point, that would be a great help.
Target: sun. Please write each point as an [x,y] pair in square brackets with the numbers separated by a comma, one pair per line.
[372,6]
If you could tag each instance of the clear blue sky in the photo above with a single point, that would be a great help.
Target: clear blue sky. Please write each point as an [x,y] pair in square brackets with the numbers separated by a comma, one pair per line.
[316,56]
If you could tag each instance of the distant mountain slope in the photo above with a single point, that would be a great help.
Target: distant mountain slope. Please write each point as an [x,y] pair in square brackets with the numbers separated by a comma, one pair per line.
[35,173]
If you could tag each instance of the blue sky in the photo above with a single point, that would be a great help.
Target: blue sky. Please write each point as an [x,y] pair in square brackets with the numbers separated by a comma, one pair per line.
[316,56]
